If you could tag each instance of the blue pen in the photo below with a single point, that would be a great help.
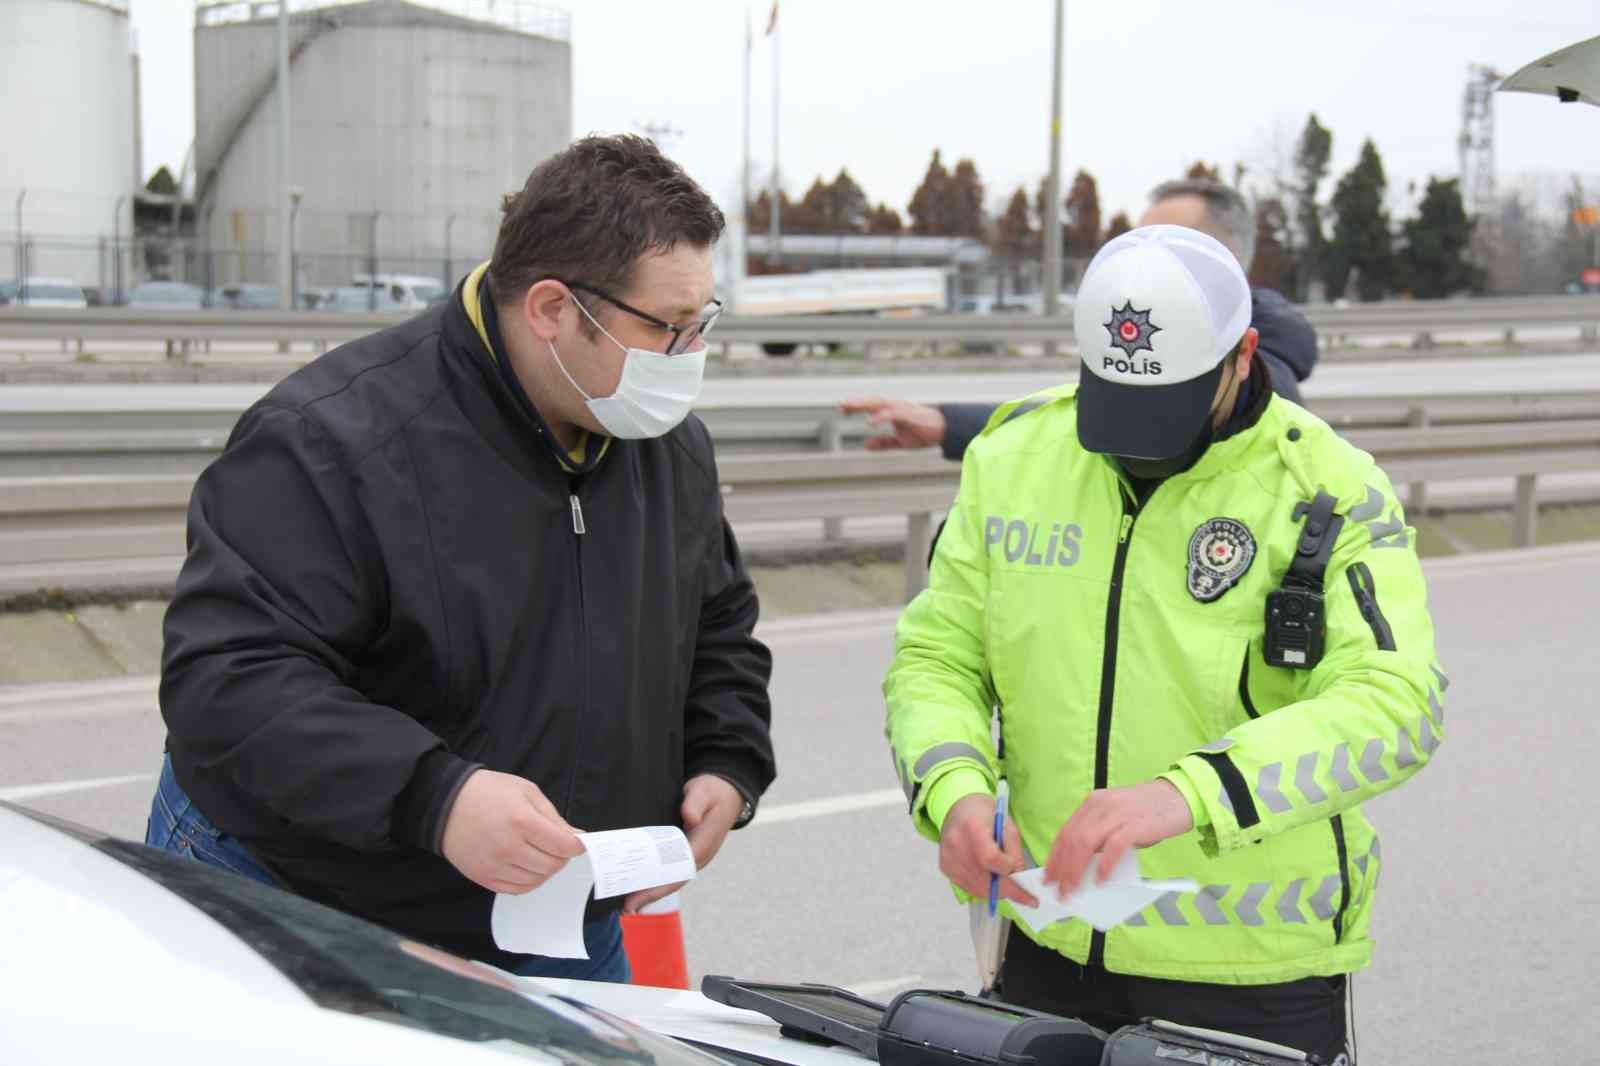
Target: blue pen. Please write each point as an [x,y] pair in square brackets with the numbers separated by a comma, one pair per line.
[1002,794]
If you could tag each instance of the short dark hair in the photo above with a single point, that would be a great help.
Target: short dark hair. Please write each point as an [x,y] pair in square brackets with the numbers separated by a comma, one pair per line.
[592,210]
[1232,221]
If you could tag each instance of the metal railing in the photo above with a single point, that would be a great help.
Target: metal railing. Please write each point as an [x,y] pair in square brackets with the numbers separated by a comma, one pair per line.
[183,331]
[68,521]
[108,429]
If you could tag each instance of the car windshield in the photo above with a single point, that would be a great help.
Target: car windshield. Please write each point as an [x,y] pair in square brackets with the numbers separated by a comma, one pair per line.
[362,299]
[46,291]
[348,965]
[166,294]
[250,296]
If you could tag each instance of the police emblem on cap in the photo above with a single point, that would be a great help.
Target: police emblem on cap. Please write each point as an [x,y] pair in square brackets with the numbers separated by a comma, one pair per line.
[1131,330]
[1219,554]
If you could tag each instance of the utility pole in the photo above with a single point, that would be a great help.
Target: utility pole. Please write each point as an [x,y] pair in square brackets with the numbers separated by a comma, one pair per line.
[1052,190]
[22,254]
[285,210]
[116,252]
[449,224]
[744,165]
[774,255]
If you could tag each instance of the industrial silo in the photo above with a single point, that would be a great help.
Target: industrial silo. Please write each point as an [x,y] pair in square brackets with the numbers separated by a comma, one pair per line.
[67,171]
[410,121]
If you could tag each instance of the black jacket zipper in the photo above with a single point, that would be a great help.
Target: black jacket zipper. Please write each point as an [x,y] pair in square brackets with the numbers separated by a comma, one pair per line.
[1366,592]
[1244,686]
[1108,682]
[579,528]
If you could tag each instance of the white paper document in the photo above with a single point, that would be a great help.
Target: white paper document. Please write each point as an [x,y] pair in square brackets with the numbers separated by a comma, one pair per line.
[549,920]
[1103,906]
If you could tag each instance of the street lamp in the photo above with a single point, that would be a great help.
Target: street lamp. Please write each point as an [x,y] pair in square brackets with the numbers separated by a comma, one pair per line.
[448,223]
[296,194]
[210,259]
[1052,196]
[372,263]
[22,254]
[116,252]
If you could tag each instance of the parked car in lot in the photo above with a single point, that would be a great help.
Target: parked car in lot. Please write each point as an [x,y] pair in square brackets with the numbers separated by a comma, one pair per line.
[43,292]
[116,952]
[245,297]
[169,295]
[361,298]
[412,291]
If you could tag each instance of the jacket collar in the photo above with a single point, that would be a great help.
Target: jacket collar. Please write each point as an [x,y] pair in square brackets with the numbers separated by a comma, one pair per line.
[472,328]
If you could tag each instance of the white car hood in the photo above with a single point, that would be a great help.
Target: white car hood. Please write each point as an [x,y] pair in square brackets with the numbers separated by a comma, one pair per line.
[691,1016]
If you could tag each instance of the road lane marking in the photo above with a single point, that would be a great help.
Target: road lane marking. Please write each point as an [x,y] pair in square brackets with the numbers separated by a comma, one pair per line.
[50,702]
[822,808]
[24,793]
[827,626]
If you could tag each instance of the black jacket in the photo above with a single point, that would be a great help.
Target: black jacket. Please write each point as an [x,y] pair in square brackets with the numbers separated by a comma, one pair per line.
[1288,348]
[384,590]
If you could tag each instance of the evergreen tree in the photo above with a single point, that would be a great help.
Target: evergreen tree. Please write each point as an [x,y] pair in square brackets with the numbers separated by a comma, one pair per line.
[1311,166]
[1120,224]
[1361,240]
[810,215]
[846,205]
[1273,266]
[759,216]
[1015,239]
[1434,262]
[965,202]
[928,210]
[884,220]
[162,183]
[1081,221]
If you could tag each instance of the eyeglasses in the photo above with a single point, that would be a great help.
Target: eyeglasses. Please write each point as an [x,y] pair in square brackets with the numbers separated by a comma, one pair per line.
[683,337]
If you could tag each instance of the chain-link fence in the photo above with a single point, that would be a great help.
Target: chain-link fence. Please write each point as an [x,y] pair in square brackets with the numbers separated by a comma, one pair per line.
[111,271]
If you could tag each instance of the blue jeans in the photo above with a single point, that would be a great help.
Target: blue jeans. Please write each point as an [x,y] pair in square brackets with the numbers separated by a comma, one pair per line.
[176,825]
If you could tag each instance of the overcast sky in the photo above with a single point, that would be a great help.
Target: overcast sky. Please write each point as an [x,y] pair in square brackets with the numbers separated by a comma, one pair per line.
[1149,86]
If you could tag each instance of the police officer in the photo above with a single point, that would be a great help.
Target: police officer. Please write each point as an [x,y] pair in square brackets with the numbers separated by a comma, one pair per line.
[1287,344]
[1201,620]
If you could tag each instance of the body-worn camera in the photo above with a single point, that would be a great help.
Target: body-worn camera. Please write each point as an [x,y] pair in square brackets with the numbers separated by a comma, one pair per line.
[1297,626]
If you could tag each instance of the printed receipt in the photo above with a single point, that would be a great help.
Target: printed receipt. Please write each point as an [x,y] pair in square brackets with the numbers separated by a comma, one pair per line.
[549,920]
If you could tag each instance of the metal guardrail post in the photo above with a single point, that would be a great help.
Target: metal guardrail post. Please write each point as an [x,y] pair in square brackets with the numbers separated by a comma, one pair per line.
[1417,497]
[919,540]
[831,436]
[1525,518]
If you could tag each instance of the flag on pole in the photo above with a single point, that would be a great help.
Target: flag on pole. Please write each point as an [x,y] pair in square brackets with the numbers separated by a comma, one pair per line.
[772,20]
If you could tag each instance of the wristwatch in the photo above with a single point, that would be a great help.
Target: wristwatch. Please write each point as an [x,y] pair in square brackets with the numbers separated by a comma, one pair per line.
[748,811]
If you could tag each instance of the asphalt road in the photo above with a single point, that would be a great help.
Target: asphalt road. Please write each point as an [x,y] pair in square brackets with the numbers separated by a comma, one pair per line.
[1488,916]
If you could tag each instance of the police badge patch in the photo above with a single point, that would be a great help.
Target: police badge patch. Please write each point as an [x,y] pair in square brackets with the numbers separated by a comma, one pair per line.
[1131,329]
[1219,554]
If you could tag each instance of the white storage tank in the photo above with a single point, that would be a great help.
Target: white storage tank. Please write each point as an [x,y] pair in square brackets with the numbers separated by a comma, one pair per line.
[410,120]
[67,169]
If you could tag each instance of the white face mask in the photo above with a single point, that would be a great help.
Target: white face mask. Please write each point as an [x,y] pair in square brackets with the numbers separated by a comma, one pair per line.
[654,394]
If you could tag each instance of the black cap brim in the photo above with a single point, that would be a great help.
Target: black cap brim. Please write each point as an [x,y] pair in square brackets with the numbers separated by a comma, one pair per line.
[1143,421]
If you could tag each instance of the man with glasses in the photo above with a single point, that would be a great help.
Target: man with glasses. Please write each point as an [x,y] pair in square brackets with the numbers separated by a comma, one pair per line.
[464,587]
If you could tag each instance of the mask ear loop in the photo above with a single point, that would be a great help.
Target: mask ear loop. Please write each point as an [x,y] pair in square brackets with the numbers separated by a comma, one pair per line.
[596,322]
[563,368]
